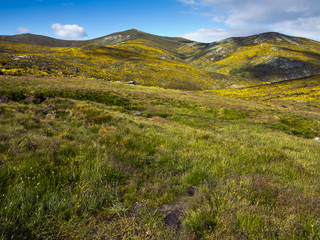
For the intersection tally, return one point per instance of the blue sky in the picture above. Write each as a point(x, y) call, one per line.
point(201, 20)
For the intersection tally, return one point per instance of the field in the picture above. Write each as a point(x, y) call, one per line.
point(84, 158)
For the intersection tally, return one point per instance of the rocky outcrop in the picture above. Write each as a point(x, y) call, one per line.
point(281, 68)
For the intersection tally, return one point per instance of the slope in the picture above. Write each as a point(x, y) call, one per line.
point(90, 159)
point(146, 59)
point(265, 57)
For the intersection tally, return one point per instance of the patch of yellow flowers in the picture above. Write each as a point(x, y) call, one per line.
point(304, 90)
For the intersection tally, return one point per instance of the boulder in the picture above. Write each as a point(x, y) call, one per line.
point(3, 99)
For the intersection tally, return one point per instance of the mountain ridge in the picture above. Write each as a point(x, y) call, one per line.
point(169, 62)
point(113, 38)
point(132, 33)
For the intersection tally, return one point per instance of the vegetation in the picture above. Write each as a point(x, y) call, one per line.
point(131, 61)
point(90, 159)
point(302, 90)
point(174, 63)
point(267, 57)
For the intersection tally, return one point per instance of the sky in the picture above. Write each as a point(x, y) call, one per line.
point(199, 20)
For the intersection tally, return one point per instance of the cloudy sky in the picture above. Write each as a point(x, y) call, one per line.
point(200, 20)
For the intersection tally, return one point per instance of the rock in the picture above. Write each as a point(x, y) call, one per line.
point(74, 69)
point(3, 99)
point(165, 57)
point(172, 219)
point(281, 68)
point(191, 191)
point(317, 139)
point(19, 57)
point(131, 82)
point(173, 213)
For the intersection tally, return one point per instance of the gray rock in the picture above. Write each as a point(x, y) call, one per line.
point(191, 191)
point(3, 99)
point(19, 57)
point(74, 69)
point(173, 219)
point(281, 68)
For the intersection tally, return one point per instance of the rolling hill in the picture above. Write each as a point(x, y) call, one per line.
point(166, 62)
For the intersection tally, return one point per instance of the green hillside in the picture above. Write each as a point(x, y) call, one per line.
point(91, 159)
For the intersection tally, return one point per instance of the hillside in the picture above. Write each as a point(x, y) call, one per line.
point(268, 57)
point(90, 159)
point(139, 57)
point(166, 62)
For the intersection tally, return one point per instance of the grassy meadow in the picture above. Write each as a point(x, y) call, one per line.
point(89, 159)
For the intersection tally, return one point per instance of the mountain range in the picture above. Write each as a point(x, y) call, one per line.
point(168, 62)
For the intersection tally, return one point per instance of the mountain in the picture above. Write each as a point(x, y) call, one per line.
point(267, 57)
point(111, 39)
point(167, 62)
point(34, 39)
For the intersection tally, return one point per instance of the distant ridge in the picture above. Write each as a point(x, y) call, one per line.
point(170, 62)
point(34, 39)
point(133, 34)
point(269, 37)
point(110, 39)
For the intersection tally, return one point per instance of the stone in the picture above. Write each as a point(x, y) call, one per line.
point(74, 69)
point(173, 219)
point(19, 57)
point(3, 99)
point(191, 191)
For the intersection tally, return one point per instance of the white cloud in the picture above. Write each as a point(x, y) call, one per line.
point(305, 27)
point(22, 30)
point(213, 34)
point(270, 13)
point(68, 31)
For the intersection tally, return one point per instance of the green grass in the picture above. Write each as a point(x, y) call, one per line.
point(77, 158)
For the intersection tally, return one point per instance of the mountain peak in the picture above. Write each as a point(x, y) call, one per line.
point(134, 30)
point(267, 37)
point(273, 36)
